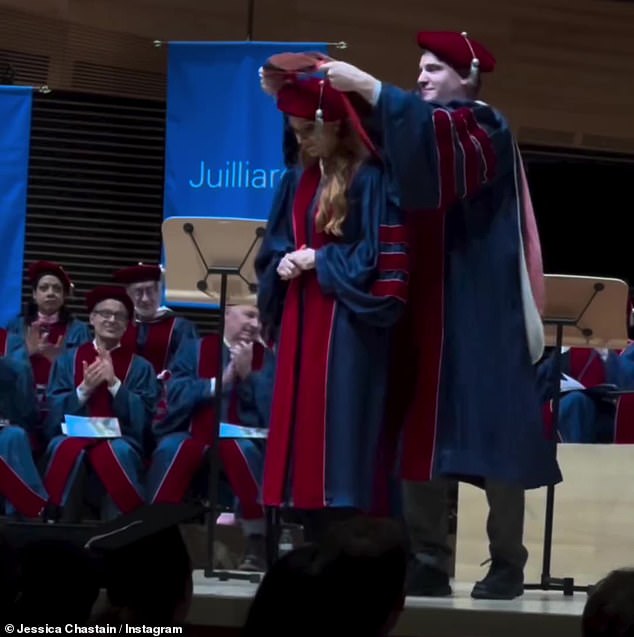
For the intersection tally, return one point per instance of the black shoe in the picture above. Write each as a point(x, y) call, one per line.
point(424, 580)
point(51, 513)
point(503, 581)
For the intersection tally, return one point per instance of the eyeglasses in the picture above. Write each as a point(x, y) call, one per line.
point(109, 315)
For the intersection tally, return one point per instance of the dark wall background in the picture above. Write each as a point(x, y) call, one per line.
point(584, 210)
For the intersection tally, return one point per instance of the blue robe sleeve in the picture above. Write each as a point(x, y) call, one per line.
point(61, 394)
point(16, 342)
point(256, 395)
point(184, 330)
point(185, 390)
point(248, 415)
point(16, 348)
point(135, 402)
point(17, 396)
point(77, 334)
point(547, 384)
point(438, 155)
point(278, 240)
point(369, 276)
point(16, 325)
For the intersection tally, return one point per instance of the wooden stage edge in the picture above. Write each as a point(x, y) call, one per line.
point(220, 607)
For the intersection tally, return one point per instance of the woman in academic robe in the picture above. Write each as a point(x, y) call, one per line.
point(332, 273)
point(21, 486)
point(46, 328)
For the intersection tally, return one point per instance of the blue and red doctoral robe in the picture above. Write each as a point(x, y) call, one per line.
point(117, 462)
point(158, 340)
point(585, 417)
point(20, 482)
point(473, 328)
point(334, 330)
point(74, 333)
point(187, 432)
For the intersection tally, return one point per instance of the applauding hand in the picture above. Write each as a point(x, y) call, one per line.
point(242, 358)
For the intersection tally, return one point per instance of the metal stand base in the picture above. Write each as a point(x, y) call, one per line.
point(224, 576)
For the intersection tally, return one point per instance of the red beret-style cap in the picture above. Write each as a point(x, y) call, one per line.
point(138, 274)
point(304, 96)
point(456, 49)
point(39, 268)
point(306, 62)
point(105, 292)
point(301, 94)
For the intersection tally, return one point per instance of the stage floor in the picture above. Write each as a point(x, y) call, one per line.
point(225, 603)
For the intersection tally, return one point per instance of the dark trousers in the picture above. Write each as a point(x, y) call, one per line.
point(427, 516)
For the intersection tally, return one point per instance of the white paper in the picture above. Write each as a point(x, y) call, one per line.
point(228, 430)
point(85, 427)
point(570, 384)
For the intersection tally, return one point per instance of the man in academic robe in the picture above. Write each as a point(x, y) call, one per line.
point(20, 482)
point(586, 415)
point(102, 378)
point(46, 329)
point(155, 331)
point(187, 432)
point(465, 352)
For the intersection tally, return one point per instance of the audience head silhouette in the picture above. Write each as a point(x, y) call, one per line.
point(148, 571)
point(352, 582)
point(609, 611)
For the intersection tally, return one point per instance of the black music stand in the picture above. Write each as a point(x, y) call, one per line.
point(586, 312)
point(210, 261)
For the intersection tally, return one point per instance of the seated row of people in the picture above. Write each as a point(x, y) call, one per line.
point(144, 366)
point(590, 385)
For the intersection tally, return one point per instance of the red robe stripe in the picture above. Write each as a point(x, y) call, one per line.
point(3, 342)
point(472, 158)
point(393, 261)
point(427, 319)
point(298, 415)
point(624, 420)
point(25, 500)
point(392, 264)
point(187, 460)
point(393, 234)
point(484, 160)
point(445, 150)
point(587, 366)
point(157, 344)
